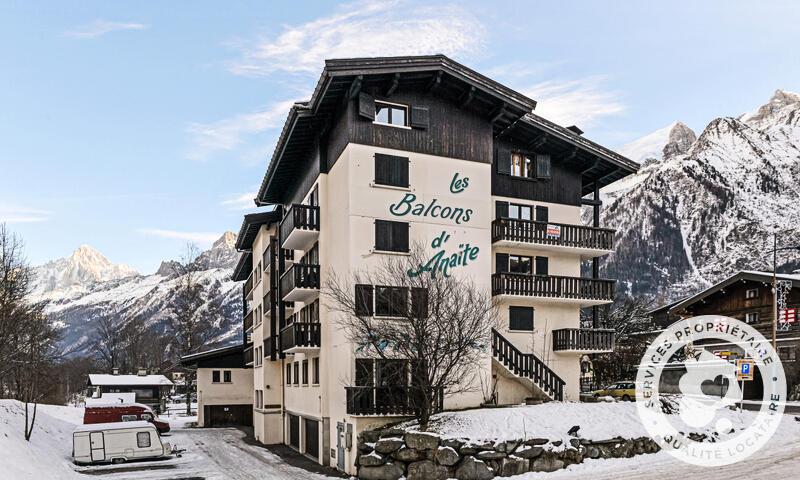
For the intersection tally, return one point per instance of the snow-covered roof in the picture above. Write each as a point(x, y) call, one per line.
point(780, 276)
point(96, 427)
point(107, 379)
point(741, 275)
point(107, 404)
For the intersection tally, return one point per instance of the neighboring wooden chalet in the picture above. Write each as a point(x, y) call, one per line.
point(149, 389)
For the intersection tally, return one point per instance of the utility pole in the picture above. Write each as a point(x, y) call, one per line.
point(775, 291)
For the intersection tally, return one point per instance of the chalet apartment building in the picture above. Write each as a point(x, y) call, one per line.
point(391, 152)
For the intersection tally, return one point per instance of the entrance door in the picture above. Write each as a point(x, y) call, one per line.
point(340, 446)
point(98, 446)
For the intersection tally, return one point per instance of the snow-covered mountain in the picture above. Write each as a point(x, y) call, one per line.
point(85, 286)
point(702, 207)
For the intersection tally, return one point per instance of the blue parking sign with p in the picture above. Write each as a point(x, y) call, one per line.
point(745, 369)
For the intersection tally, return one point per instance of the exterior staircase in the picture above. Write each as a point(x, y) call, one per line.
point(527, 365)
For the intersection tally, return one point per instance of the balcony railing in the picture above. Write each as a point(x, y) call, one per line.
point(553, 286)
point(248, 355)
point(584, 340)
point(247, 289)
point(268, 298)
point(248, 321)
point(288, 256)
point(545, 233)
point(298, 219)
point(388, 400)
point(300, 276)
point(300, 336)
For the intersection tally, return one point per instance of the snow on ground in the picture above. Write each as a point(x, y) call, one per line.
point(552, 420)
point(212, 454)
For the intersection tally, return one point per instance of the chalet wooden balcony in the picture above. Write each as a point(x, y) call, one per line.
point(300, 337)
point(300, 283)
point(271, 296)
point(270, 346)
point(248, 355)
point(553, 288)
point(247, 288)
point(583, 340)
point(300, 227)
point(387, 400)
point(589, 242)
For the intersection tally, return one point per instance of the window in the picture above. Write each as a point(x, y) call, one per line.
point(751, 317)
point(226, 375)
point(363, 300)
point(751, 293)
point(215, 376)
point(542, 265)
point(391, 301)
point(542, 214)
point(520, 165)
point(391, 236)
point(787, 354)
point(129, 418)
point(288, 374)
point(520, 318)
point(390, 373)
point(520, 264)
point(296, 373)
point(143, 439)
point(519, 212)
point(419, 302)
point(305, 372)
point(315, 364)
point(391, 170)
point(294, 431)
point(147, 417)
point(542, 165)
point(364, 374)
point(391, 114)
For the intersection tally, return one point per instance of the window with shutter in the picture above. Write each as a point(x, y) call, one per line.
point(364, 300)
point(366, 106)
point(542, 166)
point(520, 264)
point(391, 170)
point(520, 318)
point(419, 302)
point(542, 265)
point(391, 236)
point(501, 210)
point(364, 374)
point(542, 214)
point(501, 262)
point(519, 212)
point(391, 301)
point(420, 117)
point(391, 114)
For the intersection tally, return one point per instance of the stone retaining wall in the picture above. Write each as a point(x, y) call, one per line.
point(391, 453)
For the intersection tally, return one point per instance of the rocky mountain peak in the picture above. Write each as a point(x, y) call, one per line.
point(679, 140)
point(86, 265)
point(222, 253)
point(774, 110)
point(226, 241)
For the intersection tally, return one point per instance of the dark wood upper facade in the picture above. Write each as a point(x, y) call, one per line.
point(466, 116)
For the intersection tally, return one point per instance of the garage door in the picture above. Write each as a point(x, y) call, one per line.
point(228, 415)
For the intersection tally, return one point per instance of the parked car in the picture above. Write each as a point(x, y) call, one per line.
point(117, 442)
point(622, 390)
point(123, 412)
point(181, 398)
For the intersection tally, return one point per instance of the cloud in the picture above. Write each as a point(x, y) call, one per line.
point(17, 214)
point(198, 237)
point(362, 29)
point(99, 27)
point(240, 201)
point(229, 134)
point(579, 102)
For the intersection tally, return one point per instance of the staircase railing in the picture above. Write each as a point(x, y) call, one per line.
point(527, 365)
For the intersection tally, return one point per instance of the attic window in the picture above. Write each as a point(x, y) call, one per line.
point(751, 293)
point(391, 114)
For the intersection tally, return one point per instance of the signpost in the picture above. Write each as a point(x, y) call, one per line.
point(744, 373)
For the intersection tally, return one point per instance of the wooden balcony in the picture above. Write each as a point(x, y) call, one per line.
point(271, 345)
point(586, 241)
point(247, 288)
point(387, 400)
point(248, 355)
point(248, 321)
point(300, 337)
point(553, 288)
point(300, 283)
point(583, 340)
point(270, 254)
point(300, 227)
point(272, 296)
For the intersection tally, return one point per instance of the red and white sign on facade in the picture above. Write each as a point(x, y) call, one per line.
point(553, 231)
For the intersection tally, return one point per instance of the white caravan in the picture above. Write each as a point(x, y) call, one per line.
point(117, 442)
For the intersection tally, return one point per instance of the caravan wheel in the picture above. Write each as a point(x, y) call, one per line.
point(117, 461)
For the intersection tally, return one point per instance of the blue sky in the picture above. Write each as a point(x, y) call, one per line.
point(136, 126)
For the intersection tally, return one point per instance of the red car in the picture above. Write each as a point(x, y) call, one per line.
point(123, 412)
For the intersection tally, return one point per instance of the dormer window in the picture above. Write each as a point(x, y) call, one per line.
point(392, 114)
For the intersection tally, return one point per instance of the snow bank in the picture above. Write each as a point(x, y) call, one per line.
point(48, 454)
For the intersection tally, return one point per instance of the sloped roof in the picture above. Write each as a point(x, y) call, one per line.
point(250, 225)
point(751, 275)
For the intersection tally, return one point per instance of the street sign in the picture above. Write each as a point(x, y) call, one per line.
point(744, 369)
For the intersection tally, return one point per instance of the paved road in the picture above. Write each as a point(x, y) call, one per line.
point(211, 454)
